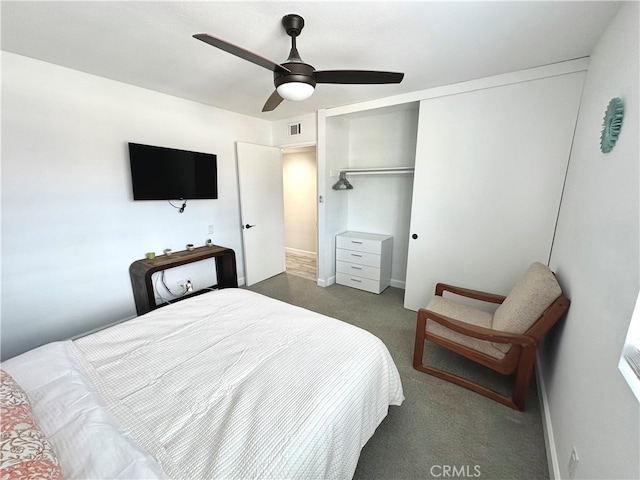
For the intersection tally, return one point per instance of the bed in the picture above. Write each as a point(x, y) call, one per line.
point(229, 384)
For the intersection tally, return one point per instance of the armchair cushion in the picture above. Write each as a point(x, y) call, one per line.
point(536, 290)
point(464, 313)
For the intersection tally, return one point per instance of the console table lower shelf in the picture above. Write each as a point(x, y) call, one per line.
point(141, 271)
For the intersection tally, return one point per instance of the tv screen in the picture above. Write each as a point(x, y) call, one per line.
point(160, 173)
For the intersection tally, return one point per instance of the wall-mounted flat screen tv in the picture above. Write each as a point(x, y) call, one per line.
point(160, 173)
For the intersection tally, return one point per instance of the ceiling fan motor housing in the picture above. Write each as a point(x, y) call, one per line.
point(300, 72)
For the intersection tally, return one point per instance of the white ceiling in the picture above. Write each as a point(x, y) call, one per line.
point(150, 44)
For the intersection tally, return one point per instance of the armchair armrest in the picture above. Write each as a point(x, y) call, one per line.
point(475, 331)
point(467, 292)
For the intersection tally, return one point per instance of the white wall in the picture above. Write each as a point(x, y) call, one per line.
point(299, 182)
point(596, 257)
point(70, 228)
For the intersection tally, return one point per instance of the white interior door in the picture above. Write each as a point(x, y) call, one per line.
point(261, 210)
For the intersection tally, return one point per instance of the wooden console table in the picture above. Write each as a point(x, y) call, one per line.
point(141, 271)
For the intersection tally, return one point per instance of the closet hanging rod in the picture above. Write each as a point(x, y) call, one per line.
point(376, 170)
point(343, 183)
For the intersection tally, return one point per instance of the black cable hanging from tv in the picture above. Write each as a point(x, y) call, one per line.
point(184, 205)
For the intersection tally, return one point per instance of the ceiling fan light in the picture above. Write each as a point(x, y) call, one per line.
point(295, 91)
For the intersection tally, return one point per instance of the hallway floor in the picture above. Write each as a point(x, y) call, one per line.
point(301, 265)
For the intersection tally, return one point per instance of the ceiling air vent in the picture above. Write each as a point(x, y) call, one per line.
point(293, 129)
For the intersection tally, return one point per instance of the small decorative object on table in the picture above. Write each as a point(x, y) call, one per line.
point(611, 125)
point(190, 246)
point(167, 251)
point(150, 255)
point(209, 243)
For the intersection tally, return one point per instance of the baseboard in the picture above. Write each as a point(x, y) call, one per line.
point(326, 283)
point(332, 280)
point(549, 441)
point(304, 253)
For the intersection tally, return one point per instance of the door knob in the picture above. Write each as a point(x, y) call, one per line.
point(414, 236)
point(248, 226)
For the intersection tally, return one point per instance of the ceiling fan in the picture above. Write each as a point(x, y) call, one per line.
point(294, 79)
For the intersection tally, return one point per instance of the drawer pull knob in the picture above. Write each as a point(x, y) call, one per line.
point(356, 280)
point(355, 255)
point(355, 241)
point(356, 268)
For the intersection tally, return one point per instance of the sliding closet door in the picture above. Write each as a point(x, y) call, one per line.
point(490, 167)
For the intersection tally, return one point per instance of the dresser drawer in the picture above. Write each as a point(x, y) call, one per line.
point(364, 244)
point(360, 258)
point(365, 271)
point(366, 284)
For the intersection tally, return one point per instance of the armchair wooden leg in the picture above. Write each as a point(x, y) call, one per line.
point(418, 348)
point(523, 376)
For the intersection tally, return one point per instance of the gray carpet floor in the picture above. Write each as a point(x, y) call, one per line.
point(441, 430)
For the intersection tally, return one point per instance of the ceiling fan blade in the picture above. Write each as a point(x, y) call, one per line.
point(357, 76)
point(272, 102)
point(241, 52)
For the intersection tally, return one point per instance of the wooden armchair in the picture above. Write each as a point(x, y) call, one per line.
point(504, 341)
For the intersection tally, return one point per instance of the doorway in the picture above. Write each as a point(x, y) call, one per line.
point(299, 172)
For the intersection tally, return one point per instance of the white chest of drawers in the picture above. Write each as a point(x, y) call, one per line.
point(363, 260)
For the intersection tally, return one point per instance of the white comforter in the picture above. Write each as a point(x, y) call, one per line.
point(232, 384)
